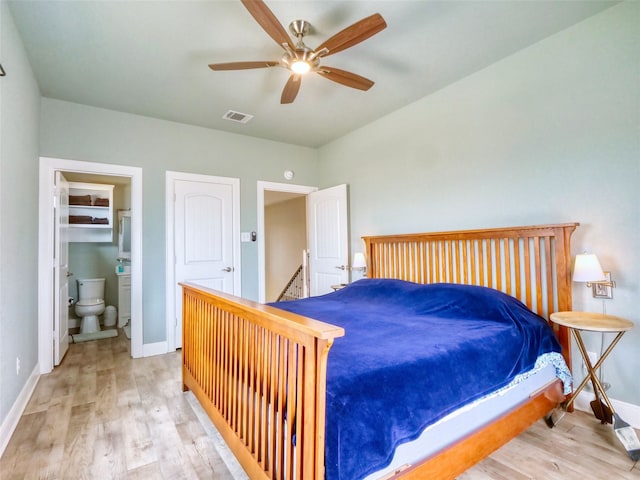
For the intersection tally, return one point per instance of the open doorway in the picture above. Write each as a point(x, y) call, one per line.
point(272, 196)
point(324, 223)
point(131, 180)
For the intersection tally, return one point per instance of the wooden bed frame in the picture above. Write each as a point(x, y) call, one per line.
point(260, 372)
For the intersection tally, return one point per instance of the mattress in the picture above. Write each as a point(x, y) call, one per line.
point(468, 419)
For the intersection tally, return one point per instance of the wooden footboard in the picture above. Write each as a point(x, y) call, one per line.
point(260, 374)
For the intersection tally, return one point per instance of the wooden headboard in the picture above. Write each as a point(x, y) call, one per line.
point(530, 263)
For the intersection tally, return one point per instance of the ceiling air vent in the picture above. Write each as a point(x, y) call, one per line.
point(237, 116)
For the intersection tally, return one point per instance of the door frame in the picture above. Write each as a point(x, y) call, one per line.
point(262, 188)
point(170, 179)
point(48, 166)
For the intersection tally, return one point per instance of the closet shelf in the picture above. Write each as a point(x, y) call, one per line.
point(87, 228)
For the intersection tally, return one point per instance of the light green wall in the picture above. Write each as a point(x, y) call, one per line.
point(19, 112)
point(547, 135)
point(79, 132)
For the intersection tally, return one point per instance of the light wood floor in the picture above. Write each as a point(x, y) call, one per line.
point(103, 415)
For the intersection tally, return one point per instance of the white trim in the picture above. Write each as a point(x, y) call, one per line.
point(151, 349)
point(272, 187)
point(627, 411)
point(48, 166)
point(13, 417)
point(170, 179)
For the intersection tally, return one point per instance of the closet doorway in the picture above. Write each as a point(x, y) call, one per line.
point(99, 173)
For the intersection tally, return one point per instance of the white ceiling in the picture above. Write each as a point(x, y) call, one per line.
point(150, 57)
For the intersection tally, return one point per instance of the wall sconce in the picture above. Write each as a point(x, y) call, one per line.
point(587, 269)
point(359, 263)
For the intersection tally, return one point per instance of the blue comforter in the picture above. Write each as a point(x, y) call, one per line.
point(412, 354)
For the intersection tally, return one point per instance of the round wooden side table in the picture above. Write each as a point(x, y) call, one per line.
point(593, 322)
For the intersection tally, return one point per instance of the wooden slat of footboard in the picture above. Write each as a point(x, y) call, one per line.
point(260, 374)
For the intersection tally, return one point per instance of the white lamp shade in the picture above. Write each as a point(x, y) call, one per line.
point(359, 261)
point(587, 269)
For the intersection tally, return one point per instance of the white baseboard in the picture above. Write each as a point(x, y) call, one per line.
point(629, 412)
point(13, 417)
point(151, 349)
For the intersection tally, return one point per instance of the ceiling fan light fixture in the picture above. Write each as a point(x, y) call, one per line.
point(300, 66)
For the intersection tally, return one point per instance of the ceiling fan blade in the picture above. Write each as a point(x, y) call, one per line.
point(345, 78)
point(241, 65)
point(291, 89)
point(268, 21)
point(356, 33)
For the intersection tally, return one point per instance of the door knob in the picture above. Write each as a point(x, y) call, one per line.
point(227, 269)
point(341, 267)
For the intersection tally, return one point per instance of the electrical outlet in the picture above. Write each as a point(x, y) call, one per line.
point(17, 365)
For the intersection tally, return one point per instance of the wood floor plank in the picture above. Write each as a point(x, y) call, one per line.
point(106, 395)
point(109, 461)
point(79, 442)
point(138, 442)
point(145, 472)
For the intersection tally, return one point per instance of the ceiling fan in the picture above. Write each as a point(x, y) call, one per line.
point(300, 59)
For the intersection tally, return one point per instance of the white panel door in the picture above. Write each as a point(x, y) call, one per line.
point(328, 239)
point(61, 269)
point(203, 239)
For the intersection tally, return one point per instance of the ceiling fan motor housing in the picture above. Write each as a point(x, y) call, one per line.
point(300, 28)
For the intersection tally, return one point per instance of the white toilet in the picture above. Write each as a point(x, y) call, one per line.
point(90, 303)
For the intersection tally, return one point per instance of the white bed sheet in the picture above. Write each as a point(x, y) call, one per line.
point(465, 420)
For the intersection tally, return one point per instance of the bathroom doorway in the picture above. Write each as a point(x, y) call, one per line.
point(131, 177)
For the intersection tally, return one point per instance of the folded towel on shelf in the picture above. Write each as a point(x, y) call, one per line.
point(100, 221)
point(101, 202)
point(80, 200)
point(80, 219)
